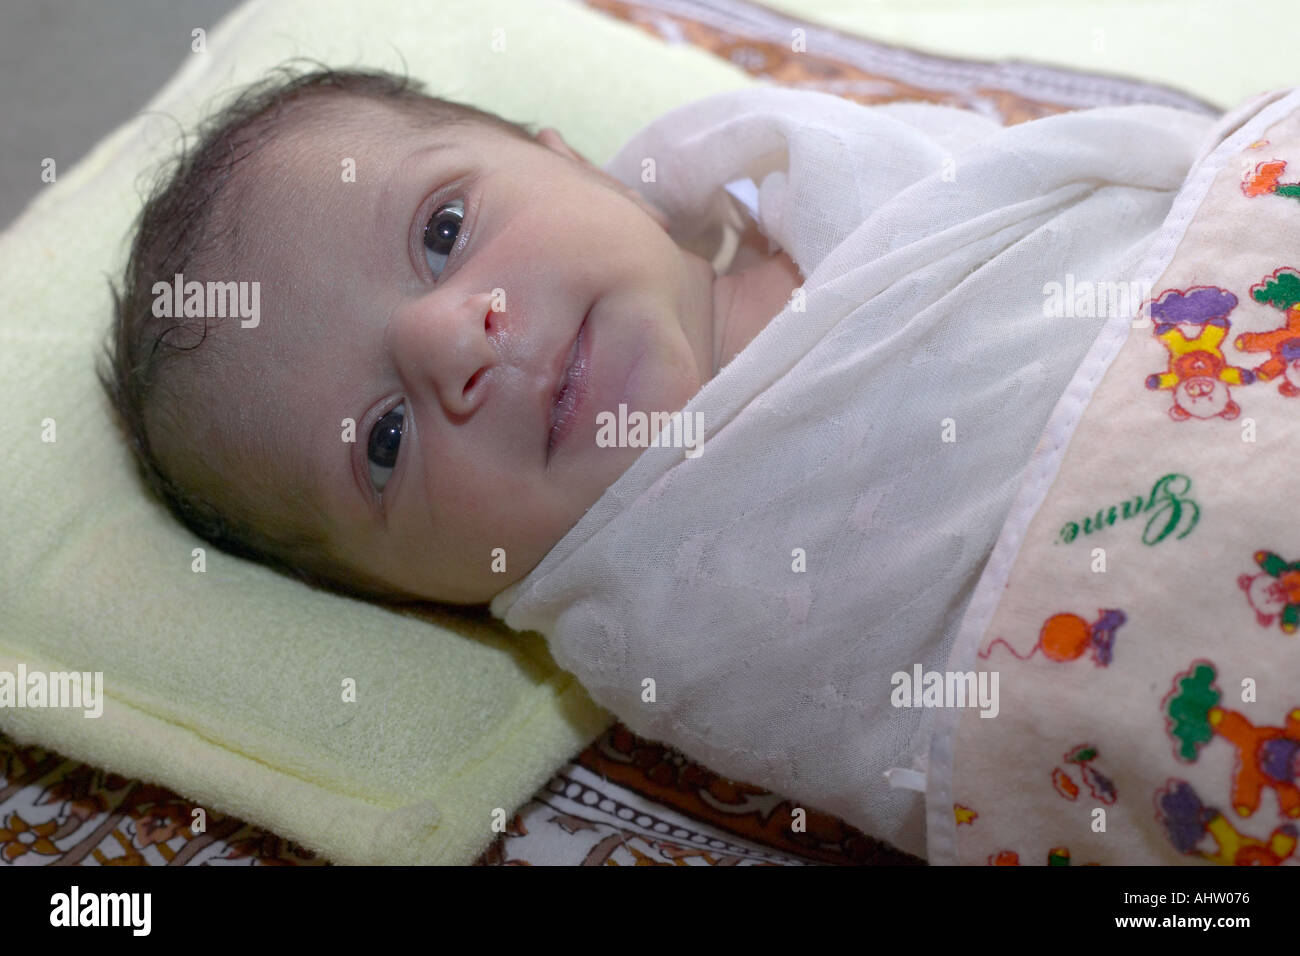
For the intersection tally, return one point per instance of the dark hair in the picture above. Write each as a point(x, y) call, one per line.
point(188, 221)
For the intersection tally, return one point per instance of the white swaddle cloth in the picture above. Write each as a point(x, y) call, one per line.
point(926, 236)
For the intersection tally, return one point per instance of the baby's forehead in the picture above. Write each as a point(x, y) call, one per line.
point(296, 170)
point(323, 199)
point(332, 184)
point(353, 146)
point(332, 130)
point(368, 124)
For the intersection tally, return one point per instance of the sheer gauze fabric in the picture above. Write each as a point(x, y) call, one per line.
point(878, 426)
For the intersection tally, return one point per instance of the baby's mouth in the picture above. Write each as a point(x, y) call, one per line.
point(570, 390)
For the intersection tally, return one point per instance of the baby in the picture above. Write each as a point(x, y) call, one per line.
point(445, 302)
point(452, 304)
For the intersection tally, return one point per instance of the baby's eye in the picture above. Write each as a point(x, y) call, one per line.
point(440, 234)
point(381, 453)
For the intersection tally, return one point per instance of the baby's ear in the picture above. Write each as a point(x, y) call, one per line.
point(551, 139)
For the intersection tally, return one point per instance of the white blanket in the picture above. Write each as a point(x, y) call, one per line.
point(863, 451)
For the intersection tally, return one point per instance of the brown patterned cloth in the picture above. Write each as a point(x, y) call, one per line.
point(762, 42)
point(623, 801)
point(627, 801)
point(57, 811)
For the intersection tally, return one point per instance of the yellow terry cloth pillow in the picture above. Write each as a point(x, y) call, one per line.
point(228, 685)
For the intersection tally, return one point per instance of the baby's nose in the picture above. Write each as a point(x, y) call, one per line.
point(451, 348)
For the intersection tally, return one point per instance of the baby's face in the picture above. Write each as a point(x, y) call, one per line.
point(475, 429)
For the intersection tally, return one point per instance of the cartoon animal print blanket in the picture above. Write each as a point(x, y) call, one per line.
point(1141, 606)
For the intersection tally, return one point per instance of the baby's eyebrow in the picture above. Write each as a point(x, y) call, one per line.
point(386, 213)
